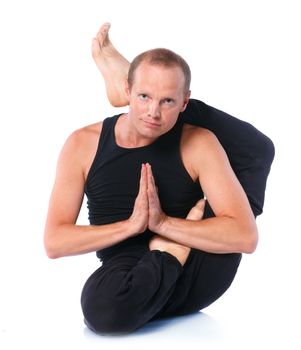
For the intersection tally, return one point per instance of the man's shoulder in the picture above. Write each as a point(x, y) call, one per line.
point(82, 141)
point(196, 134)
point(87, 131)
point(84, 135)
point(80, 146)
point(196, 144)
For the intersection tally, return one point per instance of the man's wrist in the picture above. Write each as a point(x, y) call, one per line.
point(129, 228)
point(164, 225)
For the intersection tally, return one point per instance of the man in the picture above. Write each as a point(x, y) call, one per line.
point(250, 152)
point(159, 257)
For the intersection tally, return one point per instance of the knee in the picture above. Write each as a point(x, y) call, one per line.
point(110, 317)
point(266, 151)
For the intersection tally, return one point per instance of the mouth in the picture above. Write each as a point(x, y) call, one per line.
point(152, 124)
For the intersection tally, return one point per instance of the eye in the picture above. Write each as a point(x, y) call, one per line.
point(143, 97)
point(168, 101)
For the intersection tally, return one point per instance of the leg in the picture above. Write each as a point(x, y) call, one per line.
point(179, 251)
point(128, 290)
point(132, 287)
point(112, 65)
point(204, 279)
point(250, 152)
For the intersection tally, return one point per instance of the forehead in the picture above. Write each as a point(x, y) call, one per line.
point(149, 75)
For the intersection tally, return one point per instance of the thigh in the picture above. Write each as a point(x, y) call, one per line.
point(205, 278)
point(129, 289)
point(250, 152)
point(113, 272)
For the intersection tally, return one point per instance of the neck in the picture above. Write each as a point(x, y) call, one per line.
point(128, 136)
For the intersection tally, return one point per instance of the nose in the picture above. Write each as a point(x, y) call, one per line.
point(154, 110)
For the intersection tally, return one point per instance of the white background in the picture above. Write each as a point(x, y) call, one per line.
point(245, 60)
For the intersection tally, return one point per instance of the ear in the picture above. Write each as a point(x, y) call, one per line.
point(186, 100)
point(127, 89)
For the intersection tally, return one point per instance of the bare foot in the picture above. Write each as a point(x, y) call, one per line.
point(197, 212)
point(112, 65)
point(179, 251)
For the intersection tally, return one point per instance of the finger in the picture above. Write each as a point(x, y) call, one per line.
point(143, 180)
point(153, 201)
point(152, 189)
point(150, 177)
point(153, 198)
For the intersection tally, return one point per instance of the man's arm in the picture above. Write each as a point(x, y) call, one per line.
point(62, 236)
point(233, 229)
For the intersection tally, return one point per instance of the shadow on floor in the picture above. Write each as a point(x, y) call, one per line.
point(196, 328)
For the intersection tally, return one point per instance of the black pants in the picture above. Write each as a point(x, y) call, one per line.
point(139, 285)
point(250, 152)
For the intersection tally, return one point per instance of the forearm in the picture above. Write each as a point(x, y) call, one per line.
point(70, 239)
point(215, 235)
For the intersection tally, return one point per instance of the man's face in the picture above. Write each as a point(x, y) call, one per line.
point(156, 99)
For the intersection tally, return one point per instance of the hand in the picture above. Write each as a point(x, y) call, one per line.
point(156, 217)
point(138, 221)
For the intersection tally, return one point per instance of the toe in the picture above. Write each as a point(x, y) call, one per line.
point(95, 48)
point(201, 204)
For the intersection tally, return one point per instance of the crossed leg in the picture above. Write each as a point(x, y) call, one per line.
point(132, 287)
point(179, 251)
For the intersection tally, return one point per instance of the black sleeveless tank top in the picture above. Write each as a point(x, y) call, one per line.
point(112, 184)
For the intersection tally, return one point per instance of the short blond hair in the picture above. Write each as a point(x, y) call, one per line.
point(161, 57)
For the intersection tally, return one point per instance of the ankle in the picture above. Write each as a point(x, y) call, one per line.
point(180, 252)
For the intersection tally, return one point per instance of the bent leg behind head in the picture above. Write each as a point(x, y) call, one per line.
point(128, 290)
point(112, 65)
point(250, 152)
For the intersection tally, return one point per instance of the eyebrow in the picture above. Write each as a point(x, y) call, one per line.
point(161, 99)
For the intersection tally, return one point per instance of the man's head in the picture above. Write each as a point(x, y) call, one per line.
point(164, 58)
point(158, 90)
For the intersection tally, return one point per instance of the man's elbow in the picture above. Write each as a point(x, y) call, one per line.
point(51, 251)
point(51, 247)
point(250, 242)
point(52, 254)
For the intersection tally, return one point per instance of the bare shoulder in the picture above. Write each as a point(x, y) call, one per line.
point(81, 145)
point(84, 135)
point(199, 147)
point(194, 136)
